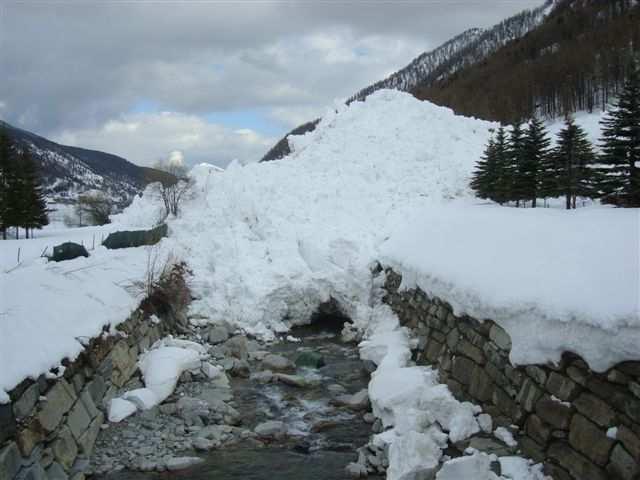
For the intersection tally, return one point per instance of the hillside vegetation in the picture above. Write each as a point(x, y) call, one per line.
point(577, 59)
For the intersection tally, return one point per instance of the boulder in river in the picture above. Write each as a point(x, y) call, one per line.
point(277, 363)
point(180, 463)
point(272, 428)
point(357, 401)
point(311, 360)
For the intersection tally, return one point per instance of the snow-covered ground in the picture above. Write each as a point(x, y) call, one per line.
point(387, 180)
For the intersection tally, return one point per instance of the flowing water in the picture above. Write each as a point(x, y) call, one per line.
point(322, 438)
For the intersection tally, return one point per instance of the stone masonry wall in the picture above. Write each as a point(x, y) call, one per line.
point(563, 411)
point(48, 430)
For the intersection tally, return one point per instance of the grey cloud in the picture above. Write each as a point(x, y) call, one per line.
point(76, 65)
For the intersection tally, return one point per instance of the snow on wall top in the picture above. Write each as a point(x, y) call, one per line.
point(555, 280)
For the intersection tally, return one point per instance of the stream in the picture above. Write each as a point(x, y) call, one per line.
point(322, 437)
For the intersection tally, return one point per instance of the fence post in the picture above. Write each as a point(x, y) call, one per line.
point(18, 254)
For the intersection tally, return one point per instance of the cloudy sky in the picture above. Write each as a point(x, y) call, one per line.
point(215, 80)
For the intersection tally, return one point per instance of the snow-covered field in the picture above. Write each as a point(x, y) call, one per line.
point(381, 180)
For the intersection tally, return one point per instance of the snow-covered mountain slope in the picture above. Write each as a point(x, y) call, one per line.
point(68, 171)
point(465, 49)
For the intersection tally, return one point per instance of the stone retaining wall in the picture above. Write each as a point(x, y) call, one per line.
point(563, 411)
point(48, 430)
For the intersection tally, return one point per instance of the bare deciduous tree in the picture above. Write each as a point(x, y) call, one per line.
point(95, 207)
point(176, 187)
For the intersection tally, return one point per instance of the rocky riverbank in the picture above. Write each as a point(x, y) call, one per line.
point(298, 396)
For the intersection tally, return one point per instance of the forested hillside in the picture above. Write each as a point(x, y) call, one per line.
point(464, 50)
point(576, 59)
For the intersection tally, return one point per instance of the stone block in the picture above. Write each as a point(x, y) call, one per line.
point(562, 387)
point(462, 369)
point(124, 362)
point(595, 409)
point(33, 472)
point(78, 382)
point(500, 337)
point(481, 387)
point(64, 448)
point(537, 374)
point(10, 461)
point(537, 429)
point(556, 472)
point(623, 465)
point(7, 422)
point(616, 376)
point(89, 404)
point(433, 350)
point(554, 413)
point(453, 337)
point(469, 350)
point(60, 399)
point(30, 435)
point(529, 394)
point(78, 420)
point(531, 449)
point(56, 472)
point(456, 387)
point(496, 375)
point(630, 368)
point(87, 440)
point(588, 439)
point(97, 388)
point(577, 375)
point(26, 403)
point(630, 440)
point(507, 405)
point(579, 467)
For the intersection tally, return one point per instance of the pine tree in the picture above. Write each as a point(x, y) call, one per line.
point(33, 206)
point(501, 187)
point(574, 156)
point(621, 146)
point(483, 176)
point(5, 152)
point(514, 167)
point(9, 185)
point(535, 149)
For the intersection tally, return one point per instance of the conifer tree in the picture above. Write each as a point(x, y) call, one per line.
point(573, 158)
point(514, 167)
point(33, 206)
point(482, 178)
point(621, 146)
point(5, 149)
point(535, 149)
point(500, 189)
point(9, 185)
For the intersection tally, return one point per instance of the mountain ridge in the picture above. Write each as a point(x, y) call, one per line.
point(68, 171)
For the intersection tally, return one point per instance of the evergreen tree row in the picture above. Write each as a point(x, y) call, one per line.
point(22, 203)
point(521, 167)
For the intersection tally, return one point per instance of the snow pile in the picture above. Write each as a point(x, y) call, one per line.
point(555, 280)
point(161, 368)
point(270, 241)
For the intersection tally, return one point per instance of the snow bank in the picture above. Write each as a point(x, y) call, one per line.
point(49, 311)
point(555, 280)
